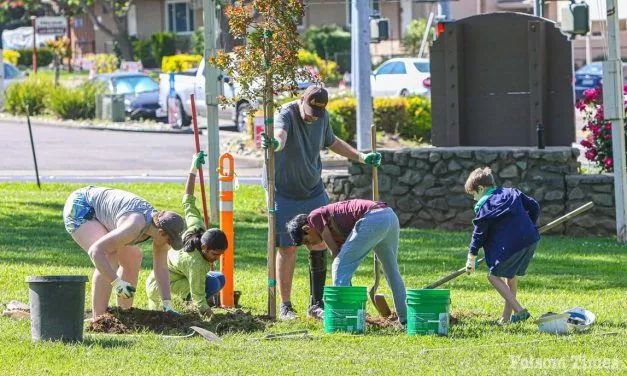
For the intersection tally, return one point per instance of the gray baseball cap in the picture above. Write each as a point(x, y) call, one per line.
point(173, 225)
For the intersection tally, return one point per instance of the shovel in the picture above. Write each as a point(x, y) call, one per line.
point(377, 299)
point(542, 230)
point(204, 333)
point(287, 335)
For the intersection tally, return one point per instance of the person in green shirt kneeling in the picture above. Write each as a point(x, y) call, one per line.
point(190, 268)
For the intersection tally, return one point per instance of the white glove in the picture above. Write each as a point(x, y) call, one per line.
point(470, 263)
point(123, 289)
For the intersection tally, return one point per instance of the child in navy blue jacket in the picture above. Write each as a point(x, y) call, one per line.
point(505, 228)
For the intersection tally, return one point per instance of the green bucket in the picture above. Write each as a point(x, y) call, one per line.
point(345, 309)
point(428, 311)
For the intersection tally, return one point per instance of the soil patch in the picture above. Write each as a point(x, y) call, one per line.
point(118, 321)
point(377, 322)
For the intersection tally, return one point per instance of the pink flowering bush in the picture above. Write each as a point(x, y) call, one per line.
point(598, 140)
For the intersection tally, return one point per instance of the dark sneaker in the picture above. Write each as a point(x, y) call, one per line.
point(315, 312)
point(520, 316)
point(287, 312)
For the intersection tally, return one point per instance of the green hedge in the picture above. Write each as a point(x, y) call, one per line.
point(41, 97)
point(152, 50)
point(33, 92)
point(44, 57)
point(75, 103)
point(409, 116)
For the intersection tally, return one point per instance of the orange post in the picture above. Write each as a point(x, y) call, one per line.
point(226, 177)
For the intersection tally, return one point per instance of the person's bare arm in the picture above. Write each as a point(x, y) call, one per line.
point(281, 136)
point(345, 150)
point(127, 232)
point(190, 184)
point(160, 267)
point(328, 238)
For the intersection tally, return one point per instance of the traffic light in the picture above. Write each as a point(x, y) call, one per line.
point(576, 19)
point(379, 29)
point(440, 27)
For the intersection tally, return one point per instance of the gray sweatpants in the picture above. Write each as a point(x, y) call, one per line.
point(378, 229)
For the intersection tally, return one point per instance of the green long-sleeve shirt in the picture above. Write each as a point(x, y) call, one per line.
point(188, 270)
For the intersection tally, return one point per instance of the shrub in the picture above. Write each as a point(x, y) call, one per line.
point(32, 93)
point(44, 57)
point(389, 114)
point(180, 63)
point(106, 63)
point(326, 40)
point(410, 117)
point(11, 56)
point(76, 103)
point(142, 51)
point(326, 69)
point(418, 125)
point(598, 140)
point(198, 41)
point(413, 36)
point(346, 109)
point(339, 128)
point(152, 50)
point(163, 44)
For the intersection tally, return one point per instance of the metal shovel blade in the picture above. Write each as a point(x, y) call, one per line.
point(206, 334)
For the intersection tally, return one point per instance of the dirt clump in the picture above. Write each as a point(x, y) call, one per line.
point(120, 321)
point(377, 322)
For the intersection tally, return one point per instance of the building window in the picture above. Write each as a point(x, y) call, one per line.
point(180, 17)
point(375, 10)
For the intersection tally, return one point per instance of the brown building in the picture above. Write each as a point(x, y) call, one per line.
point(184, 16)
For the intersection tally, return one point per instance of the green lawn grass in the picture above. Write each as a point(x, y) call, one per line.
point(566, 272)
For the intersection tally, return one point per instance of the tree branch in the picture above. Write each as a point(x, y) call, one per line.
point(94, 18)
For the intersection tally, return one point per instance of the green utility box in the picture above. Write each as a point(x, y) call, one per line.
point(576, 19)
point(110, 107)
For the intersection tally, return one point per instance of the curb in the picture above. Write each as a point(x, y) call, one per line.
point(326, 163)
point(71, 124)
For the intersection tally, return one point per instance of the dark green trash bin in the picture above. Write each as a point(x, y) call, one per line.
point(57, 307)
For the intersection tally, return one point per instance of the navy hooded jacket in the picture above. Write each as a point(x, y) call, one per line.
point(504, 225)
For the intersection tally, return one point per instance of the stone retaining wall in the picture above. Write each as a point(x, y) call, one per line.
point(425, 186)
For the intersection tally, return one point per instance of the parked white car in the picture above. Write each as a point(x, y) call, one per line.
point(402, 77)
point(193, 82)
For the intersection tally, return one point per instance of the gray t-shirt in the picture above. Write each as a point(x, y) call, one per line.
point(298, 167)
point(110, 204)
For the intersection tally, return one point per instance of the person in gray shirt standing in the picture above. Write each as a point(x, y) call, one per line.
point(301, 130)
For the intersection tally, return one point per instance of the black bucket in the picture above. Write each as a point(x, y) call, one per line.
point(57, 307)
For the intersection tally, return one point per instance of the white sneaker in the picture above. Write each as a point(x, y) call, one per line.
point(287, 312)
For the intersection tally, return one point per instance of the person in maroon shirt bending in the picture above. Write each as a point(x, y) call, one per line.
point(350, 230)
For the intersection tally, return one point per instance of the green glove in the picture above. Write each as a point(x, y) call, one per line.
point(123, 289)
point(373, 159)
point(197, 161)
point(266, 141)
point(167, 307)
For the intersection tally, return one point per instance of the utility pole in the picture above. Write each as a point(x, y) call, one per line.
point(614, 111)
point(211, 98)
point(444, 10)
point(360, 30)
point(538, 8)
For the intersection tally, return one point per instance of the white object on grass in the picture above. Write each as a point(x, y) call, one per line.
point(580, 319)
point(554, 323)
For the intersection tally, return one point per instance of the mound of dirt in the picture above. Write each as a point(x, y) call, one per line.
point(119, 321)
point(377, 322)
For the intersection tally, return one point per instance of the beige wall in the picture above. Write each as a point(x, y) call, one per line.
point(150, 17)
point(319, 14)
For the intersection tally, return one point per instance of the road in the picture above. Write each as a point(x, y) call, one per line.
point(68, 154)
point(106, 156)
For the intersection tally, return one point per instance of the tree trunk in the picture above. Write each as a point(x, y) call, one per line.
point(125, 47)
point(227, 42)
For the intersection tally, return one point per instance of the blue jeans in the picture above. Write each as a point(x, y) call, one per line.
point(379, 230)
point(214, 282)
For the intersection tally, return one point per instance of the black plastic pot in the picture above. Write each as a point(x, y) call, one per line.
point(57, 307)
